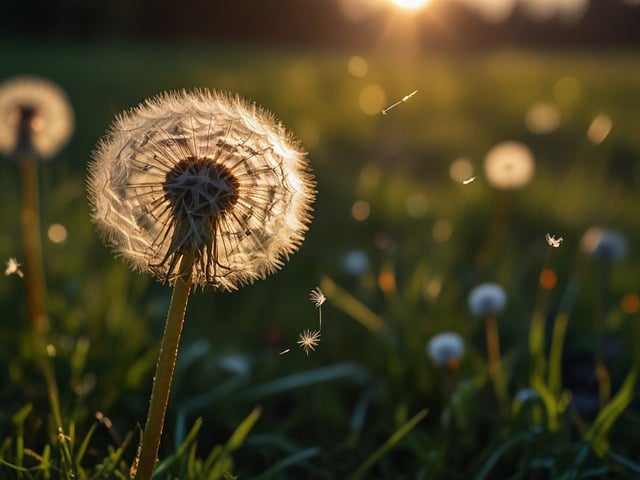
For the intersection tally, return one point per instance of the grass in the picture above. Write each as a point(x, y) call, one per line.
point(367, 403)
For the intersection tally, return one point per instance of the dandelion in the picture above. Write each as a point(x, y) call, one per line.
point(35, 117)
point(446, 349)
point(509, 165)
point(309, 340)
point(197, 188)
point(485, 301)
point(604, 244)
point(13, 267)
point(201, 172)
point(552, 241)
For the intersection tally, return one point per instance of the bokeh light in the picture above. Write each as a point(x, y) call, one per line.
point(410, 4)
point(357, 66)
point(57, 233)
point(599, 129)
point(372, 99)
point(461, 169)
point(360, 210)
point(509, 165)
point(542, 118)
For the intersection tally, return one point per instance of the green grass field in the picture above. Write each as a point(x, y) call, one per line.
point(354, 407)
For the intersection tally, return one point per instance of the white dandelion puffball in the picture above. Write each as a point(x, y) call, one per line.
point(604, 244)
point(509, 165)
point(38, 107)
point(445, 347)
point(486, 299)
point(206, 173)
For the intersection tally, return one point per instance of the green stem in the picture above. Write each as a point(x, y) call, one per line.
point(164, 371)
point(33, 264)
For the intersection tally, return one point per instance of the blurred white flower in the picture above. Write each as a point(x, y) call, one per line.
point(13, 267)
point(445, 348)
point(486, 299)
point(201, 172)
point(35, 117)
point(552, 241)
point(604, 244)
point(509, 165)
point(356, 262)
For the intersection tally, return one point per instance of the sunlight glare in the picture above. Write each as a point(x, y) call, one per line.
point(410, 4)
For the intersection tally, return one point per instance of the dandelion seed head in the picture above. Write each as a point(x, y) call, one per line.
point(445, 348)
point(309, 340)
point(509, 165)
point(486, 299)
point(604, 244)
point(35, 108)
point(203, 172)
point(317, 297)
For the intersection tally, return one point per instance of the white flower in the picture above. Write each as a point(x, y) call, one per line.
point(445, 347)
point(509, 165)
point(35, 114)
point(13, 267)
point(486, 299)
point(202, 172)
point(309, 340)
point(553, 241)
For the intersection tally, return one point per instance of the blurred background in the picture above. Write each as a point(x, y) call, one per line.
point(407, 221)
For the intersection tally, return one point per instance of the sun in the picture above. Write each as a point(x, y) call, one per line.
point(410, 4)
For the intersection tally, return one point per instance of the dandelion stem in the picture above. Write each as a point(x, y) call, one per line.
point(495, 362)
point(164, 370)
point(30, 217)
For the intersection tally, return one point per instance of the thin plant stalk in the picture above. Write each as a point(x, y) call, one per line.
point(164, 371)
point(495, 361)
point(601, 370)
point(33, 264)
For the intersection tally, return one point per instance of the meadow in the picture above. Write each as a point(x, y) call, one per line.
point(398, 240)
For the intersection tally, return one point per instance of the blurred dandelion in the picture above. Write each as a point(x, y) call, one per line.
point(604, 244)
point(309, 340)
point(13, 267)
point(197, 188)
point(552, 241)
point(446, 349)
point(35, 117)
point(509, 165)
point(485, 301)
point(542, 118)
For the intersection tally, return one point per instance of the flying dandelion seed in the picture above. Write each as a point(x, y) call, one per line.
point(553, 241)
point(468, 180)
point(318, 298)
point(13, 267)
point(309, 340)
point(403, 100)
point(286, 350)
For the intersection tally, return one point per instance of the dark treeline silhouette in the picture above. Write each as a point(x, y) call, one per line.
point(607, 23)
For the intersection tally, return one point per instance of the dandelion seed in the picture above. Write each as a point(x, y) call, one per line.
point(309, 340)
point(13, 267)
point(553, 241)
point(468, 180)
point(286, 350)
point(403, 100)
point(317, 297)
point(201, 172)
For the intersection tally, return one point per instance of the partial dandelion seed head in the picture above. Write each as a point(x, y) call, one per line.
point(35, 117)
point(317, 297)
point(486, 299)
point(309, 340)
point(552, 241)
point(13, 267)
point(201, 172)
point(604, 244)
point(445, 348)
point(509, 165)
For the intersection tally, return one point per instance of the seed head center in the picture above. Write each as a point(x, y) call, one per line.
point(200, 189)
